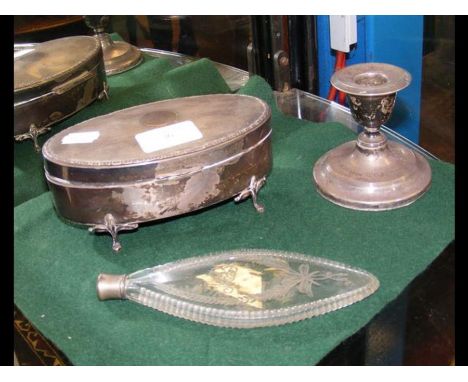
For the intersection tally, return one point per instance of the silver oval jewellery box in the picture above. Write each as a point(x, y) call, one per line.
point(53, 80)
point(158, 160)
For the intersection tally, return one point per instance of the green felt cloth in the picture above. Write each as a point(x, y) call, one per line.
point(56, 264)
point(152, 80)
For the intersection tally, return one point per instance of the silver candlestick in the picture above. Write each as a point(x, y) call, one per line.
point(119, 56)
point(372, 173)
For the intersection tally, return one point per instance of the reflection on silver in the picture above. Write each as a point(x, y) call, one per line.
point(19, 53)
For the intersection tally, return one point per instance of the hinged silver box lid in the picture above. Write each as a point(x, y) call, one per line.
point(51, 63)
point(118, 140)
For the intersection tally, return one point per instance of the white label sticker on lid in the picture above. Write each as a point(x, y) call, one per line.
point(168, 136)
point(72, 138)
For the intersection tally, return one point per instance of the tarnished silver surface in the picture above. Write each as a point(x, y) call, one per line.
point(111, 174)
point(372, 173)
point(119, 56)
point(53, 80)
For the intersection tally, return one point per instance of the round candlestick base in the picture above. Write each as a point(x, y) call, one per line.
point(385, 179)
point(119, 56)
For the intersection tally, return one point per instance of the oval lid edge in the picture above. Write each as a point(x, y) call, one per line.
point(20, 88)
point(51, 157)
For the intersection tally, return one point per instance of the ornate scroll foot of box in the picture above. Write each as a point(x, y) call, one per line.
point(104, 94)
point(113, 229)
point(252, 190)
point(33, 133)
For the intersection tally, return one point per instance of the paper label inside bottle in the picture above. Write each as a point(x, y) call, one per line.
point(87, 137)
point(168, 136)
point(236, 281)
